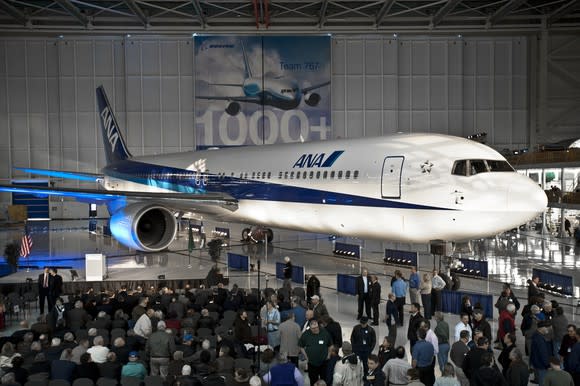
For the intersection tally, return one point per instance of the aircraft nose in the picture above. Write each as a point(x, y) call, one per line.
point(526, 197)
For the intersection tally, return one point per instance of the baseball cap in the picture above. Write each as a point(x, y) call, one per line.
point(133, 354)
point(364, 319)
point(187, 337)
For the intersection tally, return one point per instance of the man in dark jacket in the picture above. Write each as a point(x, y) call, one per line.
point(541, 351)
point(473, 359)
point(374, 376)
point(480, 323)
point(518, 373)
point(414, 323)
point(375, 298)
point(504, 358)
point(363, 340)
point(487, 374)
point(160, 347)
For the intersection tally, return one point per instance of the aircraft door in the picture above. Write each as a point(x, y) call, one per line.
point(391, 177)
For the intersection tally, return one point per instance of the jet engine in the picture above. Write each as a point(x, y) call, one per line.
point(312, 99)
point(233, 108)
point(144, 227)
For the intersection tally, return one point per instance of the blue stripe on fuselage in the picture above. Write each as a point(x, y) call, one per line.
point(242, 189)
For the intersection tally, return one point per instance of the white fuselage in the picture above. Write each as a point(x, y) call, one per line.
point(399, 187)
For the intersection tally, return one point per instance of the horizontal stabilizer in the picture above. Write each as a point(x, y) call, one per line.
point(69, 175)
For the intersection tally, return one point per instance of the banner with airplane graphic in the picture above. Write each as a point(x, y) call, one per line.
point(254, 90)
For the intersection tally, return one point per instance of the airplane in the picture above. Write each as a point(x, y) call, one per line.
point(406, 187)
point(279, 92)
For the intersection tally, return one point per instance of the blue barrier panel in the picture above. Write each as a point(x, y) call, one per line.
point(555, 282)
point(474, 268)
point(222, 232)
point(346, 284)
point(92, 225)
point(297, 273)
point(240, 262)
point(452, 302)
point(397, 257)
point(347, 250)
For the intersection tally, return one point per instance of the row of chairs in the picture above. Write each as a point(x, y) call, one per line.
point(151, 380)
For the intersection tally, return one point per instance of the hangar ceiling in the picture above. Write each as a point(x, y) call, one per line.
point(361, 16)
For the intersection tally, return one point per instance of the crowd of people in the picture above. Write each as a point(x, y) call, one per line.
point(233, 336)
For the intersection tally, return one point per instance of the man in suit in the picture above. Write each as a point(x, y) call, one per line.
point(56, 287)
point(362, 290)
point(44, 287)
point(375, 298)
point(414, 323)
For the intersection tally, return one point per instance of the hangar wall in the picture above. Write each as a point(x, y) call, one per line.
point(380, 85)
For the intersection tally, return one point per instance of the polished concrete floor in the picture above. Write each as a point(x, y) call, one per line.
point(511, 258)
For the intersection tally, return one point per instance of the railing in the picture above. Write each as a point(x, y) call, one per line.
point(545, 157)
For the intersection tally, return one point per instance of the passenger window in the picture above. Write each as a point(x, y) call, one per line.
point(286, 175)
point(339, 174)
point(297, 175)
point(311, 175)
point(318, 175)
point(291, 175)
point(460, 168)
point(355, 174)
point(324, 175)
point(304, 175)
point(332, 174)
point(347, 175)
point(254, 175)
point(269, 175)
point(280, 175)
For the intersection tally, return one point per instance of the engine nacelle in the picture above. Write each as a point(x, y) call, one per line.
point(233, 108)
point(148, 228)
point(312, 99)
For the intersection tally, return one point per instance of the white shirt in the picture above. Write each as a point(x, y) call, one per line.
point(438, 283)
point(143, 326)
point(432, 338)
point(366, 284)
point(396, 371)
point(98, 354)
point(460, 327)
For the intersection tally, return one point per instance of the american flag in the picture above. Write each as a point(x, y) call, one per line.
point(26, 243)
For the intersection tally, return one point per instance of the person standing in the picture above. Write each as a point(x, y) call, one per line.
point(399, 288)
point(289, 337)
point(438, 285)
point(425, 289)
point(540, 351)
point(396, 369)
point(287, 272)
point(462, 325)
point(414, 323)
point(442, 333)
point(44, 289)
point(375, 298)
point(392, 317)
point(283, 373)
point(362, 291)
point(414, 284)
point(423, 353)
point(363, 339)
point(374, 376)
point(556, 376)
point(56, 287)
point(315, 344)
point(160, 347)
point(534, 293)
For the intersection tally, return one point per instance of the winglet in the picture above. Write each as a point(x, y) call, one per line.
point(115, 147)
point(247, 67)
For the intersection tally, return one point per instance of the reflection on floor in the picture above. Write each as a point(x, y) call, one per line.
point(511, 258)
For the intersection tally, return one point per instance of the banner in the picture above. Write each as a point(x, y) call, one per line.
point(254, 90)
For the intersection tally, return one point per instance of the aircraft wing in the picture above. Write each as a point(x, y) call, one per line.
point(231, 98)
point(308, 89)
point(178, 201)
point(71, 175)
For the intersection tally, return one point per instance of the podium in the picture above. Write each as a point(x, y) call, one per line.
point(95, 266)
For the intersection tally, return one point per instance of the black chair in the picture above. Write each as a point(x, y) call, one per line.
point(130, 381)
point(59, 382)
point(153, 380)
point(83, 382)
point(106, 382)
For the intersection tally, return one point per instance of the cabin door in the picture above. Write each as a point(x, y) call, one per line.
point(391, 177)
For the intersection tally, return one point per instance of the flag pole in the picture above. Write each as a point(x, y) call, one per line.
point(28, 254)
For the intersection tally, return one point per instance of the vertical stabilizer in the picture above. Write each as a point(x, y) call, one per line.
point(247, 68)
point(115, 147)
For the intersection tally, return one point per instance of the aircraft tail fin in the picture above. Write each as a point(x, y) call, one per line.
point(115, 147)
point(247, 68)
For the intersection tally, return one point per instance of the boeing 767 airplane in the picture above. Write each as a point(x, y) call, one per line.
point(408, 187)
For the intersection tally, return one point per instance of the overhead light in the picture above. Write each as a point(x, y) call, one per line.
point(128, 35)
point(194, 34)
point(459, 36)
point(395, 35)
point(61, 36)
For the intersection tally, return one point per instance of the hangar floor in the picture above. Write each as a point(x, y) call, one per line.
point(511, 258)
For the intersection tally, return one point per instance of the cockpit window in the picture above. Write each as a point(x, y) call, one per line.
point(499, 166)
point(460, 168)
point(476, 166)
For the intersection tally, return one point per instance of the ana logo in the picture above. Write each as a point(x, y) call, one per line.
point(317, 160)
point(110, 129)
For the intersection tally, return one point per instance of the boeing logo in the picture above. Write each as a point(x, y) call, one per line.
point(319, 160)
point(110, 129)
